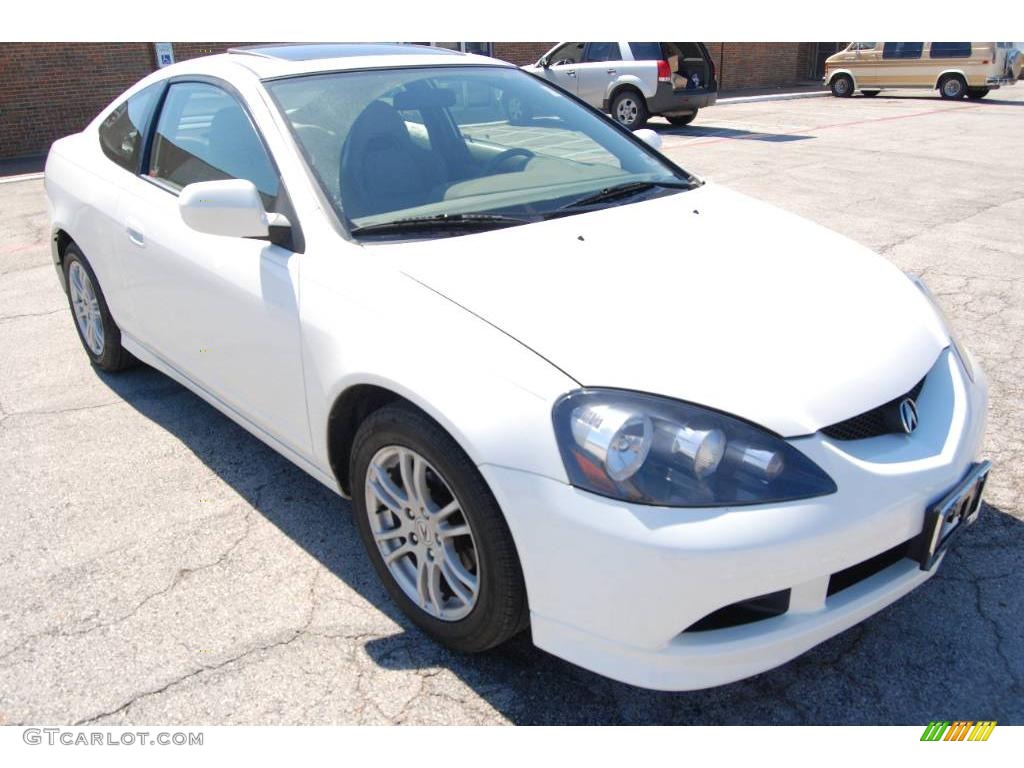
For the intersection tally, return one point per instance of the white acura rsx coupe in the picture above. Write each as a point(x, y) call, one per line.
point(679, 434)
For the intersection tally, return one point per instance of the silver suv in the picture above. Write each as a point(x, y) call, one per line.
point(632, 81)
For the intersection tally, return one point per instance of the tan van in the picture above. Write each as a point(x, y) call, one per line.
point(955, 69)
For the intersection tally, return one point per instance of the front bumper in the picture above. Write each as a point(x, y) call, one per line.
point(612, 586)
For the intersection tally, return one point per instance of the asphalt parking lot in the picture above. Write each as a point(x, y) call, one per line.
point(159, 565)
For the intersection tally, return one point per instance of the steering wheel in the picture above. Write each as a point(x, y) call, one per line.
point(495, 163)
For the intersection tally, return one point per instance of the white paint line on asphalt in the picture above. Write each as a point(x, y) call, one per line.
point(773, 97)
point(22, 177)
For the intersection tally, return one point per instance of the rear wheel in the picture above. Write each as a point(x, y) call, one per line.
point(952, 87)
point(869, 94)
point(842, 86)
point(977, 93)
point(434, 532)
point(681, 119)
point(97, 330)
point(629, 109)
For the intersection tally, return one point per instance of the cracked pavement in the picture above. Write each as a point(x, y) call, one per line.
point(159, 565)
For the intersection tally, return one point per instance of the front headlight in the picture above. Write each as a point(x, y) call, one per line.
point(962, 354)
point(652, 450)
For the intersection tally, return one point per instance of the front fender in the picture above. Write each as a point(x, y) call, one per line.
point(493, 395)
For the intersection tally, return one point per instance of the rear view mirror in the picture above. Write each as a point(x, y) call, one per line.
point(232, 208)
point(651, 138)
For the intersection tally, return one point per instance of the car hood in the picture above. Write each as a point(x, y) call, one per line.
point(706, 296)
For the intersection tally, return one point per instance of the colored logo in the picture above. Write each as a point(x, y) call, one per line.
point(961, 730)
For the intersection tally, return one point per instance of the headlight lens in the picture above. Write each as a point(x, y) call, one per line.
point(962, 354)
point(653, 450)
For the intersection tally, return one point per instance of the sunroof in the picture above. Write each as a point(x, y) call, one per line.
point(311, 51)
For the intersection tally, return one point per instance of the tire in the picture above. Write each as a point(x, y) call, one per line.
point(977, 93)
point(499, 609)
point(681, 120)
point(952, 87)
point(869, 94)
point(99, 334)
point(842, 86)
point(629, 109)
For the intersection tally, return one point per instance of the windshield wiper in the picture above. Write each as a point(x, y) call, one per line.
point(450, 221)
point(625, 190)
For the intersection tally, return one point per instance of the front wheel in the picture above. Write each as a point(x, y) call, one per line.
point(434, 532)
point(630, 110)
point(952, 87)
point(97, 330)
point(842, 86)
point(680, 120)
point(977, 93)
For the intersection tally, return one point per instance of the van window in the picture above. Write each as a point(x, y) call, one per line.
point(646, 51)
point(902, 50)
point(121, 134)
point(862, 46)
point(950, 50)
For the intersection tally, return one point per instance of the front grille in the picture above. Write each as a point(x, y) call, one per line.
point(882, 420)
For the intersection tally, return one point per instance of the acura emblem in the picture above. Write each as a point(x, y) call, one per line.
point(908, 415)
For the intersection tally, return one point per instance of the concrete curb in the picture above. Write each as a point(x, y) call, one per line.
point(773, 97)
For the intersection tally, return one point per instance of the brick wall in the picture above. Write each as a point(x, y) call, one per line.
point(520, 53)
point(760, 65)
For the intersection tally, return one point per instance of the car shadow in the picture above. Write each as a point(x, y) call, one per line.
point(951, 651)
point(717, 132)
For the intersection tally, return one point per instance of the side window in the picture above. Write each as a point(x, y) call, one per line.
point(950, 50)
point(570, 53)
point(203, 134)
point(862, 47)
point(646, 51)
point(603, 52)
point(121, 134)
point(902, 50)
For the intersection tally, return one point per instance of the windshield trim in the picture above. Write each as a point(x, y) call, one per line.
point(345, 227)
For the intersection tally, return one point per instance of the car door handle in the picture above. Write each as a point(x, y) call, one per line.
point(135, 234)
point(571, 73)
point(613, 72)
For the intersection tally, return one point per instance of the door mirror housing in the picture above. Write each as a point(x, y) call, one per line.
point(231, 208)
point(543, 62)
point(651, 138)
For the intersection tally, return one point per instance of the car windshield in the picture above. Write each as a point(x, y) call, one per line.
point(461, 144)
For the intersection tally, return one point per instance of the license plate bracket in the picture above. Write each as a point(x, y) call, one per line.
point(946, 518)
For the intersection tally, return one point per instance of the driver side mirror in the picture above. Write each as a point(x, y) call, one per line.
point(231, 208)
point(543, 62)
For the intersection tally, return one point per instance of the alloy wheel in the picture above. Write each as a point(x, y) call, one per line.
point(422, 533)
point(86, 307)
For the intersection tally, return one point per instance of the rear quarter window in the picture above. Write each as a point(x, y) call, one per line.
point(646, 51)
point(123, 131)
point(950, 50)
